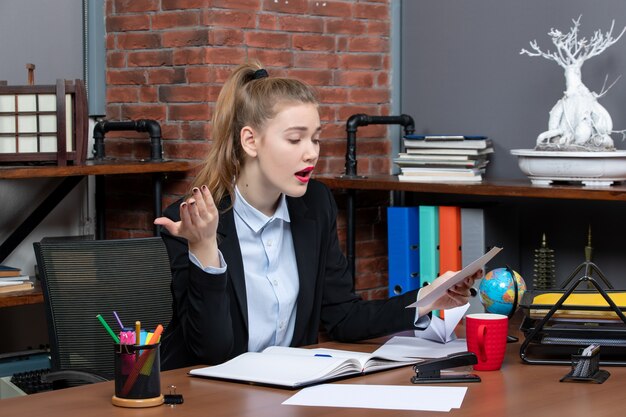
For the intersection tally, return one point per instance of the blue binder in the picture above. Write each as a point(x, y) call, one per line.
point(403, 246)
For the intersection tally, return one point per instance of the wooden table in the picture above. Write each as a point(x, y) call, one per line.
point(517, 390)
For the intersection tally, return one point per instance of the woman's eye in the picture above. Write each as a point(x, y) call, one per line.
point(294, 140)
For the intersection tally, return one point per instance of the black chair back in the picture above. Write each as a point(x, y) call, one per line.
point(83, 278)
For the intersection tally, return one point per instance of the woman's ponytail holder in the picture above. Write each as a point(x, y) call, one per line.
point(260, 73)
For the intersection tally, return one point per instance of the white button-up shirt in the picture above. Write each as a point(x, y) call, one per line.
point(269, 262)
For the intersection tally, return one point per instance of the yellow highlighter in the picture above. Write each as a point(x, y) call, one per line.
point(137, 333)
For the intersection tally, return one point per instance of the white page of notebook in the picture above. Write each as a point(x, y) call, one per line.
point(286, 370)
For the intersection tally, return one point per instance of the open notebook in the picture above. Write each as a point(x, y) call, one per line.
point(297, 367)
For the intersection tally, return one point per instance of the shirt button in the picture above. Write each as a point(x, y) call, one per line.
point(281, 325)
point(269, 243)
point(275, 282)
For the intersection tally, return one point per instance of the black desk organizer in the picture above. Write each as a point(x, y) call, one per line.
point(557, 342)
point(586, 369)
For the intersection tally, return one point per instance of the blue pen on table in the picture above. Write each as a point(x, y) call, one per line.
point(107, 328)
point(323, 355)
point(118, 320)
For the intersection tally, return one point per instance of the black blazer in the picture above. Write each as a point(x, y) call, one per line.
point(210, 315)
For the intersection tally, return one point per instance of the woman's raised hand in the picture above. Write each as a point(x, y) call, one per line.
point(198, 225)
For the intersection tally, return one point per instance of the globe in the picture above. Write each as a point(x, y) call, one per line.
point(497, 291)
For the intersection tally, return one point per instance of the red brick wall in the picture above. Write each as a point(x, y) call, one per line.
point(166, 60)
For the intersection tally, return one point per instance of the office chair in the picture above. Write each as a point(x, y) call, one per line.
point(83, 278)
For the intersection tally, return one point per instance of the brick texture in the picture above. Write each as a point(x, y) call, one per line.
point(167, 59)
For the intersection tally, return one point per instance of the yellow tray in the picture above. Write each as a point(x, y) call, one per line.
point(580, 300)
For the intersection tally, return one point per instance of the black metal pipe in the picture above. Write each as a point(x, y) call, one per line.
point(351, 233)
point(100, 208)
point(352, 125)
point(143, 125)
point(157, 188)
point(361, 119)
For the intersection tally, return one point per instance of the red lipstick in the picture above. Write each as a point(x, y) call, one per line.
point(304, 175)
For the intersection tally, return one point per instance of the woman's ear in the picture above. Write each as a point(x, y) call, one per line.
point(248, 138)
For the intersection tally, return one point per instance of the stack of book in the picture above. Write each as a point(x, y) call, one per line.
point(444, 158)
point(11, 279)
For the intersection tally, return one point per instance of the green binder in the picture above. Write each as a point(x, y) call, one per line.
point(429, 243)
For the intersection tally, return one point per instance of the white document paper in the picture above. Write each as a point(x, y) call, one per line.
point(440, 286)
point(404, 347)
point(443, 330)
point(388, 397)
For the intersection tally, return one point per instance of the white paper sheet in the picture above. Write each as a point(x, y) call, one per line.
point(440, 285)
point(443, 330)
point(414, 347)
point(389, 397)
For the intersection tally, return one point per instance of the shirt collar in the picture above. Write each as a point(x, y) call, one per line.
point(253, 217)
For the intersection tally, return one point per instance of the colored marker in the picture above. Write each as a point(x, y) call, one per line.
point(156, 335)
point(137, 332)
point(118, 320)
point(107, 328)
point(154, 338)
point(127, 337)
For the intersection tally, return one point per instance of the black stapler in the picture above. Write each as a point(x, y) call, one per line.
point(429, 371)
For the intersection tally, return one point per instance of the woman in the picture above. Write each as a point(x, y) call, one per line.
point(254, 250)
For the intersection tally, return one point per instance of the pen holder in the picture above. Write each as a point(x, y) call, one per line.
point(137, 376)
point(586, 368)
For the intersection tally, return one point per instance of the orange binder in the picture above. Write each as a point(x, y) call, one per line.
point(449, 239)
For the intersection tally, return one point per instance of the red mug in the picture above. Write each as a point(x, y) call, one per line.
point(486, 335)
